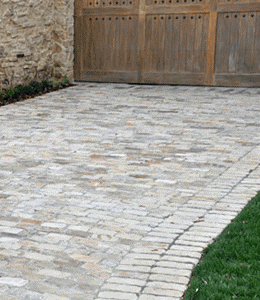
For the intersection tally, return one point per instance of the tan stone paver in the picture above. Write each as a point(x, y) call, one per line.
point(112, 191)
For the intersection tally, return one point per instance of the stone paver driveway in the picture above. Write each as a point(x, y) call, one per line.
point(112, 191)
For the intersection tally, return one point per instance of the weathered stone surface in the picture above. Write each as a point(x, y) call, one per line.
point(40, 30)
point(88, 210)
point(13, 281)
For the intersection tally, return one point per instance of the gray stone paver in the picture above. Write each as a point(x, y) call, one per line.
point(112, 191)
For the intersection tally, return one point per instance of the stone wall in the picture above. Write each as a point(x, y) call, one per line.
point(36, 40)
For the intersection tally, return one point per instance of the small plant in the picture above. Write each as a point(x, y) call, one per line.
point(10, 94)
point(59, 83)
point(34, 88)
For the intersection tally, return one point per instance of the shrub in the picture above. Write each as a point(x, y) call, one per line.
point(33, 88)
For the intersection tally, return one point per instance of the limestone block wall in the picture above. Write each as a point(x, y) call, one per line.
point(36, 40)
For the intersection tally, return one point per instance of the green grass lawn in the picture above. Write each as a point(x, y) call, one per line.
point(230, 267)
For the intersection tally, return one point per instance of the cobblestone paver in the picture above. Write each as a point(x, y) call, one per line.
point(112, 191)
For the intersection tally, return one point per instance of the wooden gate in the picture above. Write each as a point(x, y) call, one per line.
point(197, 42)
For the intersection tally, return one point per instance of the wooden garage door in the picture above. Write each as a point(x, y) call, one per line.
point(204, 42)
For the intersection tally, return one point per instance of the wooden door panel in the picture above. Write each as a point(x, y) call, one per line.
point(109, 40)
point(110, 46)
point(237, 43)
point(237, 49)
point(176, 43)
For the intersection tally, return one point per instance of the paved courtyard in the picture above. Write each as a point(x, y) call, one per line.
point(112, 191)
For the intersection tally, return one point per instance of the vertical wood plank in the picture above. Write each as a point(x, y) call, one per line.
point(101, 47)
point(223, 40)
point(190, 42)
point(117, 52)
point(110, 43)
point(134, 51)
point(241, 42)
point(93, 44)
point(197, 66)
point(141, 39)
point(257, 44)
point(98, 42)
point(182, 43)
point(234, 40)
point(250, 42)
point(105, 44)
point(123, 44)
point(154, 43)
point(168, 42)
point(204, 38)
point(147, 52)
point(160, 59)
point(176, 43)
point(233, 25)
point(211, 43)
point(87, 42)
point(131, 41)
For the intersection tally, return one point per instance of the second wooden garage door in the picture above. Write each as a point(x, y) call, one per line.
point(197, 42)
